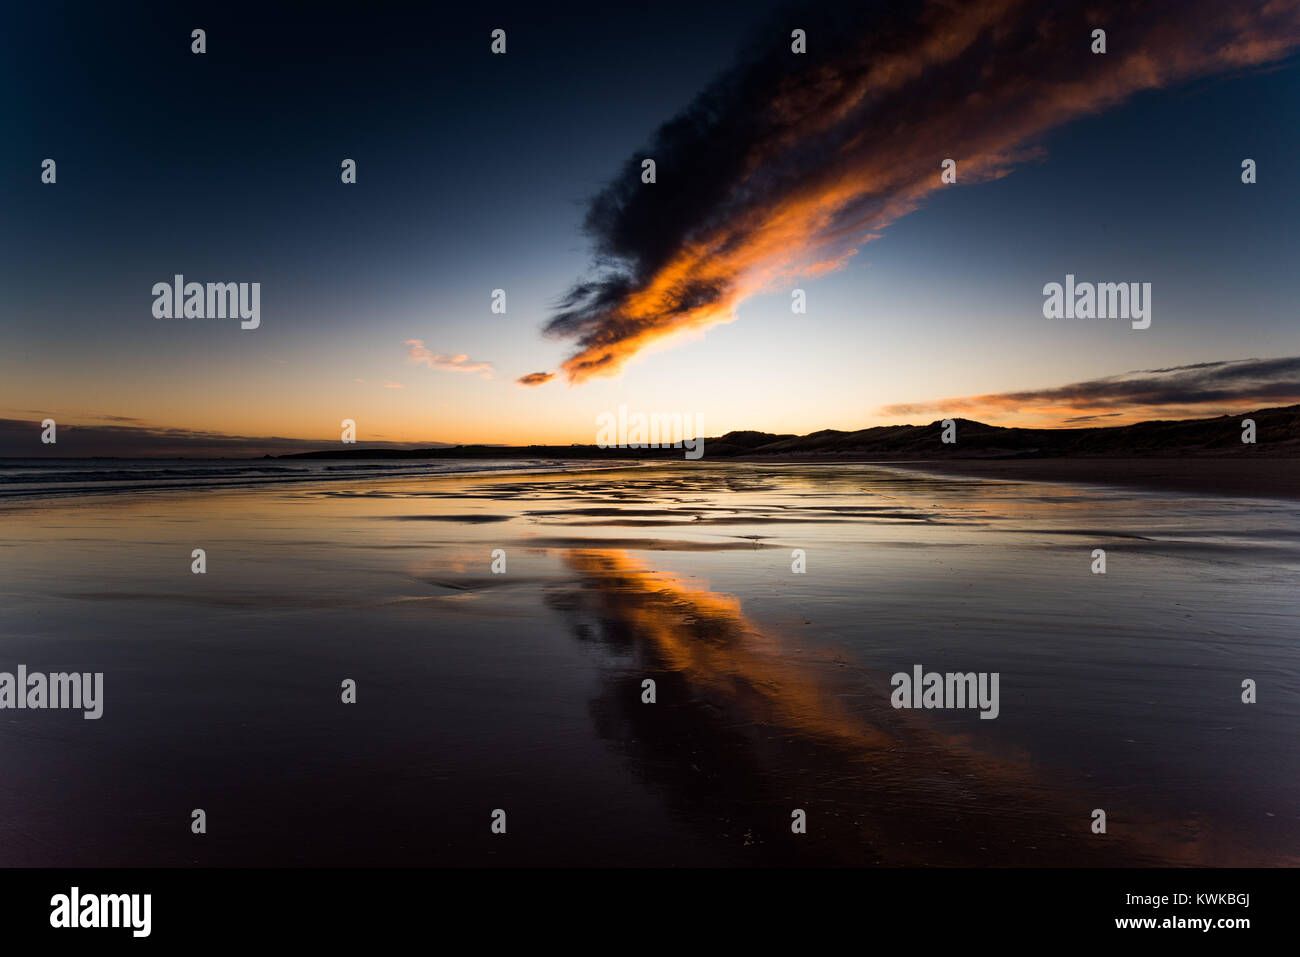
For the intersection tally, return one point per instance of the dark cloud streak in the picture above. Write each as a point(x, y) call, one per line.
point(1222, 385)
point(786, 164)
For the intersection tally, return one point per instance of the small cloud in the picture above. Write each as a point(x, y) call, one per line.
point(361, 381)
point(416, 352)
point(394, 385)
point(1093, 418)
point(536, 378)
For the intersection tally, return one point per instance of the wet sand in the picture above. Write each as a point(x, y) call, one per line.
point(523, 690)
point(1245, 474)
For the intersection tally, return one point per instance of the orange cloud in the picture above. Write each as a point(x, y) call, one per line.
point(536, 378)
point(416, 352)
point(784, 167)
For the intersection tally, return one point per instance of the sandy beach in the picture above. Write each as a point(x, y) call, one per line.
point(521, 688)
point(1244, 475)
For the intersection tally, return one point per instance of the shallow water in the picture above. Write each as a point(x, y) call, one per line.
point(41, 478)
point(523, 691)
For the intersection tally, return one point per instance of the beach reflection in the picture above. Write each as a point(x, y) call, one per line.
point(743, 732)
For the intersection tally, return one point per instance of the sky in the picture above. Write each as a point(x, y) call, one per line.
point(775, 171)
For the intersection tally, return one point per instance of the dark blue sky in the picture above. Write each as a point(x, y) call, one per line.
point(474, 173)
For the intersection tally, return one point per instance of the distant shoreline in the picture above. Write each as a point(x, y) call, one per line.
point(1264, 433)
point(1230, 476)
point(28, 489)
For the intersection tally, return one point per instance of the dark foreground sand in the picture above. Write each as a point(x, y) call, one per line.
point(523, 690)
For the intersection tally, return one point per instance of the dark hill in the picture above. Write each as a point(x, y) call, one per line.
point(1277, 436)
